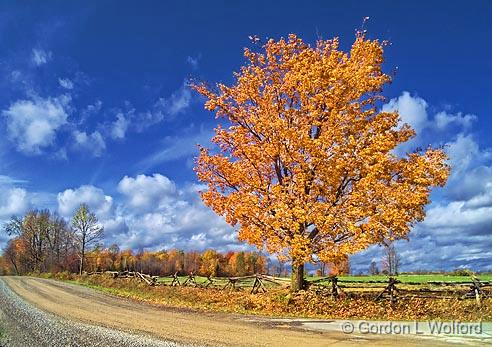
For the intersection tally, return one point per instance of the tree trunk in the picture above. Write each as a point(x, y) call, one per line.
point(15, 266)
point(82, 258)
point(297, 277)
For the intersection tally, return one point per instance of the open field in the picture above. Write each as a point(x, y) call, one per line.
point(414, 278)
point(429, 284)
point(402, 278)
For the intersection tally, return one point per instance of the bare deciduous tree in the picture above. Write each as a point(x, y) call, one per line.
point(87, 231)
point(373, 268)
point(391, 260)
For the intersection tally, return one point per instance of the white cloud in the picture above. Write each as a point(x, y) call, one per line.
point(412, 110)
point(456, 230)
point(40, 56)
point(484, 199)
point(147, 192)
point(119, 127)
point(93, 143)
point(65, 83)
point(13, 201)
point(443, 217)
point(157, 215)
point(470, 183)
point(70, 199)
point(32, 124)
point(444, 119)
point(461, 152)
point(153, 213)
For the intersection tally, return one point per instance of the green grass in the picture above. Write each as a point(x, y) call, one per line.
point(367, 278)
point(402, 278)
point(418, 278)
point(412, 278)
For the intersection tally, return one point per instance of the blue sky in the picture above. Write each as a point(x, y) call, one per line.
point(94, 108)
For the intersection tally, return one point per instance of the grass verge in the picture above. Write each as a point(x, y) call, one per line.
point(279, 302)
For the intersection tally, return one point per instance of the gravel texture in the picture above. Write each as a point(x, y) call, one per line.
point(22, 324)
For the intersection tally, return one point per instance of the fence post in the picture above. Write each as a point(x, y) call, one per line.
point(334, 287)
point(391, 289)
point(477, 291)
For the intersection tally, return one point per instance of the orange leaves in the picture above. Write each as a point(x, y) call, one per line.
point(306, 165)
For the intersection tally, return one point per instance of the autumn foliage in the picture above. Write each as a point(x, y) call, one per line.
point(167, 262)
point(306, 164)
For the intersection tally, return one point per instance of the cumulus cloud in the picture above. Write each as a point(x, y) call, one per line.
point(154, 213)
point(454, 234)
point(70, 199)
point(93, 143)
point(40, 57)
point(462, 151)
point(412, 110)
point(13, 201)
point(32, 124)
point(456, 230)
point(145, 192)
point(444, 119)
point(470, 184)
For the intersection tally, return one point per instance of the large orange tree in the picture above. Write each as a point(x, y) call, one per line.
point(305, 164)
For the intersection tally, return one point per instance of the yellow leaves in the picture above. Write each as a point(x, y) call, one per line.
point(306, 149)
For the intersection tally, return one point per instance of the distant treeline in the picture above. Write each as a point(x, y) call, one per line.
point(17, 260)
point(209, 262)
point(44, 242)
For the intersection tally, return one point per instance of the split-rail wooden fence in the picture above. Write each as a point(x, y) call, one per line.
point(392, 289)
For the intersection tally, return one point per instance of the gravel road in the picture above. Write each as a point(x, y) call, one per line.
point(22, 324)
point(41, 312)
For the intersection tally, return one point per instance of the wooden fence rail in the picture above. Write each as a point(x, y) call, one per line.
point(391, 290)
